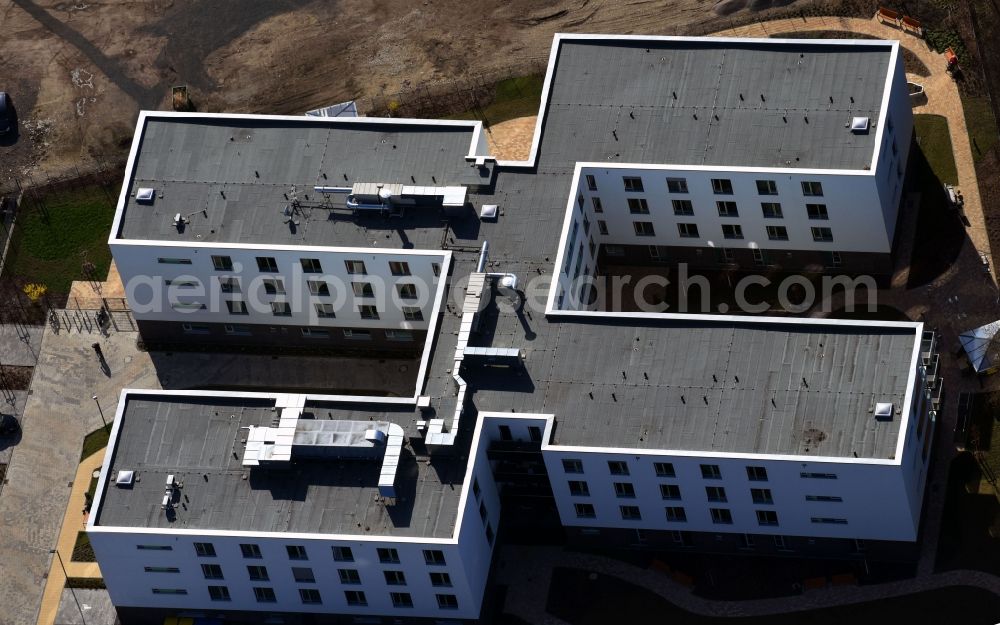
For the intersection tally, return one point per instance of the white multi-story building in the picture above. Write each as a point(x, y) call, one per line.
point(674, 431)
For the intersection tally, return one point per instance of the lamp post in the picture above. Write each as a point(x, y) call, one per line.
point(72, 591)
point(103, 420)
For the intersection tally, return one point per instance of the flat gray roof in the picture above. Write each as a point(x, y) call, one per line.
point(233, 177)
point(699, 102)
point(199, 441)
point(714, 385)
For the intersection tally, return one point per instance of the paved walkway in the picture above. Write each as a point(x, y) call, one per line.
point(527, 571)
point(19, 344)
point(942, 98)
point(74, 521)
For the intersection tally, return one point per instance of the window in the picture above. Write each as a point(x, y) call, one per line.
point(828, 521)
point(721, 516)
point(440, 580)
point(447, 602)
point(630, 513)
point(578, 488)
point(162, 569)
point(746, 541)
point(722, 186)
point(311, 265)
point(771, 210)
point(534, 433)
point(759, 257)
point(482, 511)
point(368, 311)
point(596, 202)
point(638, 206)
point(324, 311)
point(398, 268)
point(727, 209)
point(401, 599)
point(505, 434)
point(676, 514)
point(395, 578)
point(683, 207)
point(572, 466)
point(761, 495)
point(584, 510)
point(436, 268)
point(174, 261)
point(711, 472)
point(250, 551)
point(580, 200)
point(602, 227)
point(236, 307)
point(618, 467)
point(318, 287)
point(777, 233)
point(817, 211)
point(204, 550)
point(591, 182)
point(314, 333)
point(715, 493)
point(355, 597)
point(169, 591)
point(343, 554)
point(767, 187)
point(154, 547)
point(664, 469)
point(309, 596)
point(363, 289)
point(632, 183)
point(281, 309)
point(687, 231)
point(812, 189)
point(732, 231)
point(677, 185)
point(818, 476)
point(211, 571)
point(264, 594)
point(296, 552)
point(824, 235)
point(303, 575)
point(267, 263)
point(624, 489)
point(757, 474)
point(349, 576)
point(412, 313)
point(489, 534)
point(222, 263)
point(196, 328)
point(357, 335)
point(475, 487)
point(670, 491)
point(434, 557)
point(356, 266)
point(228, 284)
point(218, 593)
point(274, 286)
point(643, 228)
point(388, 555)
point(407, 291)
point(827, 498)
point(257, 572)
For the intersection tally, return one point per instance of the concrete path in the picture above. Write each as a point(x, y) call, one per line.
point(942, 98)
point(41, 473)
point(527, 571)
point(74, 521)
point(95, 605)
point(19, 344)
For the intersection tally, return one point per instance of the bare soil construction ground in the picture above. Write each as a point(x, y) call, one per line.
point(79, 72)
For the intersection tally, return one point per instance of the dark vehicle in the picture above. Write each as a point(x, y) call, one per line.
point(6, 114)
point(8, 424)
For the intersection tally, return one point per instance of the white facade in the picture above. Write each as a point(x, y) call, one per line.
point(440, 578)
point(184, 283)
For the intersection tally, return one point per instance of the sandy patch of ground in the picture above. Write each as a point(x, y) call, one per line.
point(511, 140)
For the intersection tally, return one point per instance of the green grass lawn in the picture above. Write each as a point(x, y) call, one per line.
point(49, 245)
point(94, 442)
point(982, 127)
point(935, 143)
point(512, 98)
point(82, 551)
